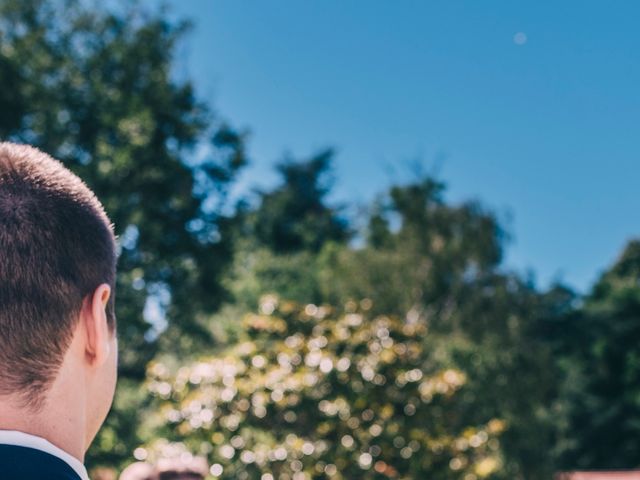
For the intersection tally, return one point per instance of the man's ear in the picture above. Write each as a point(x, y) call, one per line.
point(94, 315)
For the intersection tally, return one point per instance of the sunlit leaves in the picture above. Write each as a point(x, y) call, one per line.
point(319, 392)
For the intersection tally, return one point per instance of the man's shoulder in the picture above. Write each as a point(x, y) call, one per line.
point(24, 463)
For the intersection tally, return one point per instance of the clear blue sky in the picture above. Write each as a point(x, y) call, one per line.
point(543, 128)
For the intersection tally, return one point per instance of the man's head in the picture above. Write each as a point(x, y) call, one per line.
point(57, 278)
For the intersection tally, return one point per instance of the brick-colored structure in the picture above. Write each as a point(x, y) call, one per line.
point(611, 475)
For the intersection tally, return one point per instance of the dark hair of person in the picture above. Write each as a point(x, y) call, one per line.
point(56, 247)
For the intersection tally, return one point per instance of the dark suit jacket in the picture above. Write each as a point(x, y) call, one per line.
point(22, 463)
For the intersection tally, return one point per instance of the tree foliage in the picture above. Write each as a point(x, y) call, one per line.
point(318, 392)
point(441, 261)
point(295, 216)
point(602, 364)
point(95, 88)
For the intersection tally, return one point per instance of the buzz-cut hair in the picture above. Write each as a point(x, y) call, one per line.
point(56, 247)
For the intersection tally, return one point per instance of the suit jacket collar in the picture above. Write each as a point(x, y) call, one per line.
point(21, 439)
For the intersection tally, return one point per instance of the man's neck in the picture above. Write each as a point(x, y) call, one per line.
point(61, 420)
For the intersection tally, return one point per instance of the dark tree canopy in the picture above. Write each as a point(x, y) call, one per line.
point(603, 368)
point(95, 88)
point(295, 215)
point(439, 261)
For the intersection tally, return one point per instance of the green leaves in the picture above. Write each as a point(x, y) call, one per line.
point(600, 351)
point(295, 216)
point(440, 262)
point(317, 392)
point(96, 89)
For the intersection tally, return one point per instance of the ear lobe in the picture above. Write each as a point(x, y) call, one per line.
point(97, 326)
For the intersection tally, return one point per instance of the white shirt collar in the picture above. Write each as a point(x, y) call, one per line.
point(21, 439)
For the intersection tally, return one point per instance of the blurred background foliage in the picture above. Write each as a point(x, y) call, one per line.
point(311, 392)
point(279, 334)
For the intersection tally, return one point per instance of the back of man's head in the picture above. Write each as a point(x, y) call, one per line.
point(56, 247)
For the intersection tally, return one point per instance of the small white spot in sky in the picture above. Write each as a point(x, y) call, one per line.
point(520, 38)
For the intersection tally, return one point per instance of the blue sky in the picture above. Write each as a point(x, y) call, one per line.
point(531, 107)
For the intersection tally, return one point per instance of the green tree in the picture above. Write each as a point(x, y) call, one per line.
point(433, 248)
point(278, 239)
point(95, 88)
point(602, 369)
point(295, 215)
point(443, 261)
point(318, 392)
